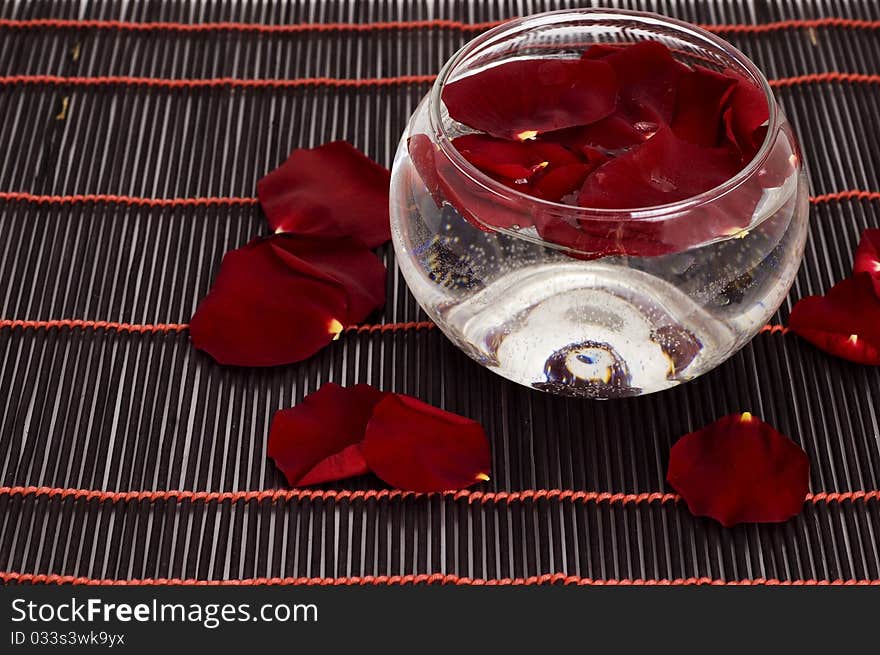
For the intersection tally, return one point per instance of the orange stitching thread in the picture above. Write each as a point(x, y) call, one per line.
point(379, 26)
point(810, 23)
point(337, 82)
point(124, 200)
point(182, 327)
point(472, 497)
point(852, 194)
point(731, 28)
point(95, 325)
point(831, 76)
point(428, 578)
point(23, 196)
point(391, 327)
point(774, 329)
point(233, 82)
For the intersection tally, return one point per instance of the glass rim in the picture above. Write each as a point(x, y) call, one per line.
point(649, 213)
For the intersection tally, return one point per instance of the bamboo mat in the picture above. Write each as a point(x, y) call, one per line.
point(131, 139)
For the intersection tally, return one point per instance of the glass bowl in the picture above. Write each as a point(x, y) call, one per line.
point(653, 296)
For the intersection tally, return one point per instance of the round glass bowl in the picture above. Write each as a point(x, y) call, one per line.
point(652, 297)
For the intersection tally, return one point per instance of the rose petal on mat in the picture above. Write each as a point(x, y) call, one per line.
point(333, 190)
point(844, 322)
point(513, 160)
point(739, 469)
point(746, 112)
point(648, 75)
point(318, 440)
point(664, 169)
point(700, 102)
point(868, 257)
point(524, 98)
point(346, 261)
point(267, 308)
point(415, 446)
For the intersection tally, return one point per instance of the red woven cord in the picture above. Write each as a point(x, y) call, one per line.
point(164, 328)
point(213, 82)
point(853, 194)
point(472, 497)
point(23, 196)
point(730, 28)
point(337, 82)
point(428, 578)
point(182, 327)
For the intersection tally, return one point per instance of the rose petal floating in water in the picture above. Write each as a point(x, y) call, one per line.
point(740, 470)
point(700, 103)
point(524, 98)
point(664, 169)
point(648, 75)
point(513, 160)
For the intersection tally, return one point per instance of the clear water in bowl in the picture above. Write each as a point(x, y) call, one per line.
point(610, 327)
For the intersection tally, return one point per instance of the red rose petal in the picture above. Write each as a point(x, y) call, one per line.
point(415, 446)
point(318, 440)
point(662, 170)
point(520, 99)
point(601, 50)
point(699, 105)
point(280, 299)
point(332, 190)
point(747, 111)
point(562, 181)
point(346, 261)
point(478, 205)
point(612, 133)
point(740, 470)
point(648, 75)
point(844, 322)
point(267, 308)
point(513, 160)
point(868, 257)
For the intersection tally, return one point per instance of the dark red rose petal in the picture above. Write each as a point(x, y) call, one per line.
point(318, 440)
point(331, 191)
point(562, 181)
point(747, 111)
point(648, 75)
point(521, 99)
point(662, 170)
point(699, 105)
point(513, 160)
point(478, 205)
point(268, 308)
point(868, 257)
point(601, 50)
point(612, 133)
point(346, 261)
point(415, 446)
point(844, 322)
point(281, 299)
point(740, 470)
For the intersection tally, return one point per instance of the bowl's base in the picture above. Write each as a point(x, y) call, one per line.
point(588, 329)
